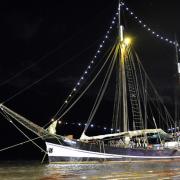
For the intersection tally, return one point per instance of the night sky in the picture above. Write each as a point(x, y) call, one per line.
point(66, 34)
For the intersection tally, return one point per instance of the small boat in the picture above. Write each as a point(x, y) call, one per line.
point(138, 113)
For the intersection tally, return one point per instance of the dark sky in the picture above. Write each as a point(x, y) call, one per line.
point(49, 33)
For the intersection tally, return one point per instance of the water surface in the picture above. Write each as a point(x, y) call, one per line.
point(125, 170)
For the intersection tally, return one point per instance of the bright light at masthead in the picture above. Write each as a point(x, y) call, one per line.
point(127, 41)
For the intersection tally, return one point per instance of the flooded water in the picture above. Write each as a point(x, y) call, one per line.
point(114, 171)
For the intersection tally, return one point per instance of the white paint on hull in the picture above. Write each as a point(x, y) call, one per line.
point(64, 151)
point(172, 144)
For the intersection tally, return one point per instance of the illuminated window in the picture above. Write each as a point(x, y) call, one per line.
point(179, 68)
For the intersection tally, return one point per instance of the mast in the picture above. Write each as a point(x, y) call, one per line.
point(123, 75)
point(176, 91)
point(120, 26)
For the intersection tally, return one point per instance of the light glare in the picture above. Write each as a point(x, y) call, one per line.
point(127, 41)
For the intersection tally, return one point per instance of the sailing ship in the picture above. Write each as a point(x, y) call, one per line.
point(138, 114)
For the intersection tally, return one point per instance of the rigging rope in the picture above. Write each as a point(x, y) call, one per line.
point(102, 90)
point(48, 74)
point(68, 99)
point(135, 91)
point(117, 99)
point(19, 144)
point(148, 28)
point(8, 118)
point(35, 63)
point(63, 106)
point(87, 86)
point(51, 51)
point(154, 90)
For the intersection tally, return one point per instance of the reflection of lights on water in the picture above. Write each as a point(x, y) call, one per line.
point(145, 170)
point(84, 177)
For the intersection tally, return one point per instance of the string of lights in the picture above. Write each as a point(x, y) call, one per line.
point(100, 48)
point(147, 27)
point(103, 128)
point(90, 65)
point(79, 124)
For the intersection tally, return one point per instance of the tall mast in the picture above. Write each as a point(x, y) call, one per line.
point(123, 75)
point(177, 81)
point(121, 35)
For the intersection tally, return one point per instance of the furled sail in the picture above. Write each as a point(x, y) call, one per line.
point(127, 133)
point(52, 128)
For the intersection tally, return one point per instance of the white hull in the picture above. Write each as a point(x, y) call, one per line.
point(56, 151)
